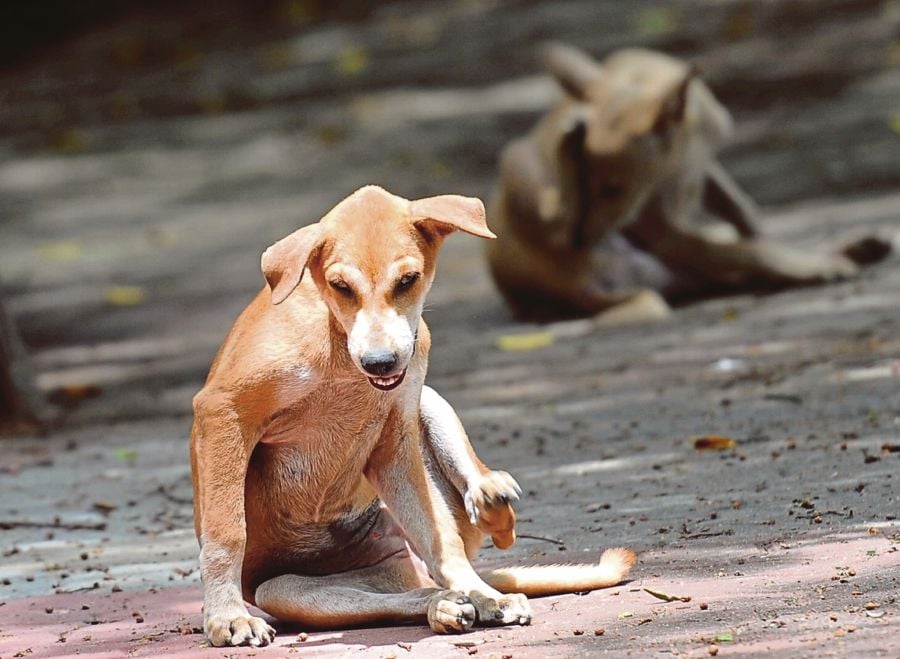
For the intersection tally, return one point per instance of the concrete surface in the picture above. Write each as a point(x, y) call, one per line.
point(130, 242)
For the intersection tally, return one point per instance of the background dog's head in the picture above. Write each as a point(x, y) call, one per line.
point(373, 260)
point(633, 120)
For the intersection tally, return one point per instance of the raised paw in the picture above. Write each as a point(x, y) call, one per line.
point(241, 629)
point(451, 612)
point(488, 506)
point(511, 609)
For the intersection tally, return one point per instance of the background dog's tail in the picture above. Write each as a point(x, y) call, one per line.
point(540, 580)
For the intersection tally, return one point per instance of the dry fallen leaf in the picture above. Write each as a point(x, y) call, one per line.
point(62, 251)
point(352, 61)
point(895, 122)
point(124, 296)
point(713, 443)
point(665, 597)
point(524, 342)
point(74, 393)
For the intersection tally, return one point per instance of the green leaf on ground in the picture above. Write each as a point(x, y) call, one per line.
point(724, 637)
point(656, 20)
point(126, 454)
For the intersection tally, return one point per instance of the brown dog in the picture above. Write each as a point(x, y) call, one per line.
point(616, 196)
point(330, 487)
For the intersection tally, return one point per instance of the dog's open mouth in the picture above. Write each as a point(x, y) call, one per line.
point(389, 382)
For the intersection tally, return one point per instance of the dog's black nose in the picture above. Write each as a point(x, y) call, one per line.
point(379, 361)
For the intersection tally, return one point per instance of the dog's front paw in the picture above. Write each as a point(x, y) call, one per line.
point(488, 506)
point(238, 629)
point(511, 609)
point(451, 612)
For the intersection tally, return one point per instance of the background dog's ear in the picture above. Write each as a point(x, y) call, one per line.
point(575, 70)
point(674, 106)
point(448, 213)
point(284, 262)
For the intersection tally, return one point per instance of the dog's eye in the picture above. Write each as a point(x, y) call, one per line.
point(341, 287)
point(406, 282)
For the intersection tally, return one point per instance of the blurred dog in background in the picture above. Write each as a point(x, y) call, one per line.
point(615, 204)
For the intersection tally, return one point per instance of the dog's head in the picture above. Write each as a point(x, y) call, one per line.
point(628, 127)
point(373, 260)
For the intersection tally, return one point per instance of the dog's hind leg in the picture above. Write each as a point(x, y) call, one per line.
point(390, 592)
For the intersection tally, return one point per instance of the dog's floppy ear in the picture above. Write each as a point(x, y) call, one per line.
point(284, 262)
point(575, 70)
point(448, 213)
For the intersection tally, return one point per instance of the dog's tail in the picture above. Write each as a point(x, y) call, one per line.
point(540, 580)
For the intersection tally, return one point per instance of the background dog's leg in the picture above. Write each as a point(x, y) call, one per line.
point(486, 494)
point(746, 262)
point(724, 197)
point(390, 592)
point(219, 458)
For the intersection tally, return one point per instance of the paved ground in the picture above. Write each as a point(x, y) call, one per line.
point(129, 246)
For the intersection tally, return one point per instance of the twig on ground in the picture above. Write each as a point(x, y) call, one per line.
point(540, 537)
point(55, 524)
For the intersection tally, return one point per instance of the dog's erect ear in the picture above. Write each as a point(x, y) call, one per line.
point(674, 106)
point(284, 262)
point(448, 213)
point(575, 70)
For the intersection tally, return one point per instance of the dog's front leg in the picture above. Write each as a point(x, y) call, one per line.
point(724, 197)
point(486, 494)
point(220, 452)
point(397, 471)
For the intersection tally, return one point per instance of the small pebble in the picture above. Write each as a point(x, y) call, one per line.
point(713, 649)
